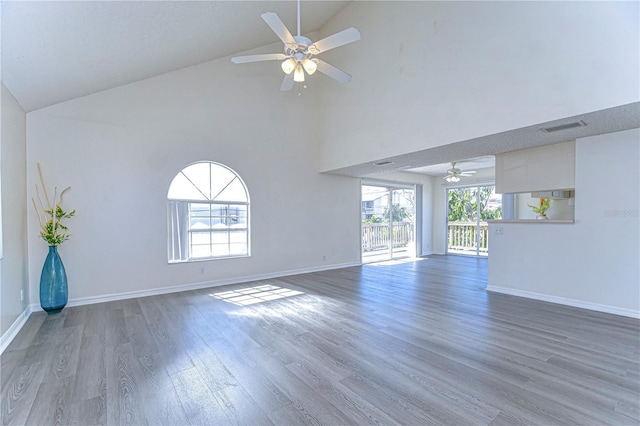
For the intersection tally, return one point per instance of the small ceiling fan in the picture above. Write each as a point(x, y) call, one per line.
point(454, 174)
point(299, 52)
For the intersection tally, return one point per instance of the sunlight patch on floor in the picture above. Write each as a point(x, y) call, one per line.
point(253, 295)
point(397, 261)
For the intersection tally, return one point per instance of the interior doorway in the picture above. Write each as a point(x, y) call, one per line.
point(468, 209)
point(388, 222)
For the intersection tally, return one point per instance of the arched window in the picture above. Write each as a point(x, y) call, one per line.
point(208, 213)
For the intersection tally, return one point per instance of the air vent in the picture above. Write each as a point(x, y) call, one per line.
point(406, 167)
point(383, 163)
point(564, 127)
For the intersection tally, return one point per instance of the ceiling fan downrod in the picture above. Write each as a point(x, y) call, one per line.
point(298, 18)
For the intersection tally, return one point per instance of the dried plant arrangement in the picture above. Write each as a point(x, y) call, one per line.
point(51, 214)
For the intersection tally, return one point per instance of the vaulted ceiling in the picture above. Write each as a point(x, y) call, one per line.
point(56, 51)
point(53, 51)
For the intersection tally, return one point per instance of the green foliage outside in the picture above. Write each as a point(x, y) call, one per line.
point(463, 205)
point(373, 219)
point(398, 214)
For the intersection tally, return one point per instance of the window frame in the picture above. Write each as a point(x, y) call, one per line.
point(243, 211)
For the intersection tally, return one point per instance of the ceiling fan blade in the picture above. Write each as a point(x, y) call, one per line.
point(333, 72)
point(258, 58)
point(469, 173)
point(274, 22)
point(338, 39)
point(287, 83)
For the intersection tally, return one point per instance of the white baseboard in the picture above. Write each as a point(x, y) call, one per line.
point(566, 301)
point(12, 332)
point(195, 286)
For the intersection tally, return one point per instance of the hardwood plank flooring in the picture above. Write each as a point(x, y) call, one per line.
point(391, 343)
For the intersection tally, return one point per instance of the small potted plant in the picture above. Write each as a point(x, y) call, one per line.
point(541, 208)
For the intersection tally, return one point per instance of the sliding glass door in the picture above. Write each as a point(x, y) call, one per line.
point(388, 222)
point(469, 208)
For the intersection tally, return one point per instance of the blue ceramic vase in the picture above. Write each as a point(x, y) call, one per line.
point(53, 283)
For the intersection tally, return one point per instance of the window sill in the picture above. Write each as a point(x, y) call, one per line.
point(207, 259)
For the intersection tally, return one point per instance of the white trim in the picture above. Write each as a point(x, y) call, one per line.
point(17, 325)
point(390, 186)
point(565, 301)
point(195, 286)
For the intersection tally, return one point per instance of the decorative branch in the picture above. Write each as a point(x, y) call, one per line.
point(44, 187)
point(39, 198)
point(62, 194)
point(37, 212)
point(52, 230)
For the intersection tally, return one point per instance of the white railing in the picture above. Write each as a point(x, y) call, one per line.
point(375, 236)
point(462, 236)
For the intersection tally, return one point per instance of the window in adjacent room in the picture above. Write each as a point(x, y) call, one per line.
point(469, 208)
point(208, 213)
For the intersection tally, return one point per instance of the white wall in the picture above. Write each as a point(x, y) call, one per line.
point(593, 263)
point(439, 216)
point(427, 74)
point(13, 266)
point(120, 149)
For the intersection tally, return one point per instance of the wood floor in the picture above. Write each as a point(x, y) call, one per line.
point(411, 343)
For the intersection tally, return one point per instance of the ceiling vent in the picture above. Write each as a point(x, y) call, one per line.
point(383, 163)
point(564, 127)
point(406, 167)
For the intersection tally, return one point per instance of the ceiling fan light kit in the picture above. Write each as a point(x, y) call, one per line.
point(310, 65)
point(299, 51)
point(298, 74)
point(288, 65)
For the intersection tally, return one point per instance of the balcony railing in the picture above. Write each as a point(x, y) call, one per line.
point(462, 236)
point(375, 236)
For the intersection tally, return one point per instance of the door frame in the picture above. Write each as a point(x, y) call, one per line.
point(390, 186)
point(476, 185)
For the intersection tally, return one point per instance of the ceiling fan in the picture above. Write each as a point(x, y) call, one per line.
point(299, 52)
point(454, 174)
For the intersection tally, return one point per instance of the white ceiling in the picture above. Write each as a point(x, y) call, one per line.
point(598, 122)
point(53, 51)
